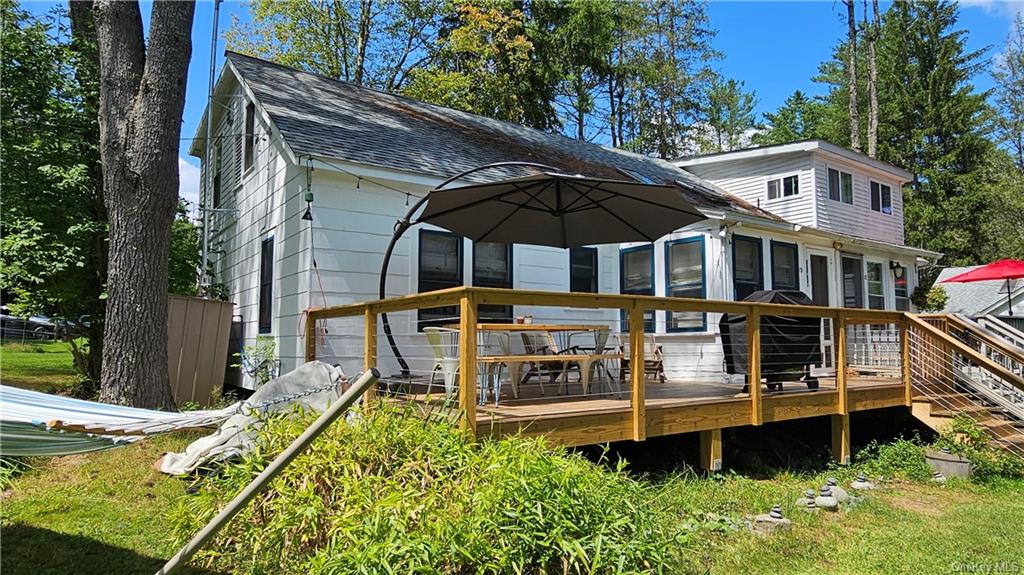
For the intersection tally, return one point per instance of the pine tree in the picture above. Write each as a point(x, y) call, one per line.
point(799, 118)
point(933, 123)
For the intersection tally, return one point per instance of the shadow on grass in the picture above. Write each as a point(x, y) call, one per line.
point(28, 550)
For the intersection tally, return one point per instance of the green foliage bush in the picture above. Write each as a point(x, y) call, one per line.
point(966, 438)
point(929, 299)
point(901, 459)
point(393, 493)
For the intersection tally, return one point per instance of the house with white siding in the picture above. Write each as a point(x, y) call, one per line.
point(806, 216)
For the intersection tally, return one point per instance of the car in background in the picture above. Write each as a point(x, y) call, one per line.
point(36, 328)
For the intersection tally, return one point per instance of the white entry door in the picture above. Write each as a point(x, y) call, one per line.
point(821, 276)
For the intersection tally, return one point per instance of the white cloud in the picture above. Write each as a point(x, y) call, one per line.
point(188, 183)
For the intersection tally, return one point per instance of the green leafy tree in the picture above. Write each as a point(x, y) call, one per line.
point(932, 122)
point(1008, 73)
point(728, 117)
point(798, 118)
point(488, 63)
point(375, 43)
point(53, 223)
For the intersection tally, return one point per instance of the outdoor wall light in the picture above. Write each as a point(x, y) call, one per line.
point(897, 269)
point(837, 245)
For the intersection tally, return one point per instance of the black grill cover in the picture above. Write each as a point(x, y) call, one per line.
point(787, 343)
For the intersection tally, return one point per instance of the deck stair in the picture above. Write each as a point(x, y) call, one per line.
point(960, 368)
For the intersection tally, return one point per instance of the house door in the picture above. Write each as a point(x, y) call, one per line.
point(821, 286)
point(853, 296)
point(853, 281)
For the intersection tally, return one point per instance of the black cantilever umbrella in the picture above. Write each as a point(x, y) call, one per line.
point(560, 210)
point(548, 209)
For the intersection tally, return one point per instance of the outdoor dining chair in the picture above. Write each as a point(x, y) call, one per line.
point(444, 344)
point(594, 363)
point(654, 364)
point(543, 343)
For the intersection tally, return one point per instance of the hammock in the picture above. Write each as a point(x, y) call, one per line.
point(33, 423)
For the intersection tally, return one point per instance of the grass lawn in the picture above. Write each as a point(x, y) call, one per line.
point(45, 366)
point(912, 528)
point(105, 513)
point(93, 513)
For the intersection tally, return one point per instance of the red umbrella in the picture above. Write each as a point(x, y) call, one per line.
point(1002, 270)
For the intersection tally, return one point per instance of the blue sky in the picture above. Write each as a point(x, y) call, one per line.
point(774, 47)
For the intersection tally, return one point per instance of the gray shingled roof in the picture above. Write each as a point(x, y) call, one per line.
point(969, 298)
point(320, 116)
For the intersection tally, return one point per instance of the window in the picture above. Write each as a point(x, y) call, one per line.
point(785, 267)
point(216, 174)
point(583, 270)
point(876, 293)
point(747, 266)
point(492, 267)
point(250, 135)
point(840, 186)
point(636, 267)
point(440, 267)
point(635, 175)
point(881, 198)
point(902, 291)
point(266, 285)
point(684, 277)
point(785, 187)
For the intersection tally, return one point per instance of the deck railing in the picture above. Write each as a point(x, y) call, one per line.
point(865, 345)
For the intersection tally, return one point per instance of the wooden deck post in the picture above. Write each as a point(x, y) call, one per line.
point(841, 439)
point(467, 362)
point(754, 367)
point(711, 450)
point(908, 385)
point(310, 337)
point(842, 407)
point(637, 373)
point(369, 350)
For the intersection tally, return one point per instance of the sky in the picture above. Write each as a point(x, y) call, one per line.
point(774, 47)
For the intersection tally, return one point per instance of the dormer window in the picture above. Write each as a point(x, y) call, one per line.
point(881, 198)
point(783, 187)
point(840, 186)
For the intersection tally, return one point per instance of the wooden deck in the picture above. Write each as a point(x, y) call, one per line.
point(646, 408)
point(671, 408)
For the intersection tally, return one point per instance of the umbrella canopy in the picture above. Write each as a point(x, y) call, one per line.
point(560, 210)
point(1000, 270)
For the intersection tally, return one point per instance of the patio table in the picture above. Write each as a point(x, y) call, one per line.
point(515, 361)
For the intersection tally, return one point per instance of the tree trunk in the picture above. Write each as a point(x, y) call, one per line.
point(142, 94)
point(365, 22)
point(851, 69)
point(872, 33)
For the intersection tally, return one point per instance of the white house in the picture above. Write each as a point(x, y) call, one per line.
point(808, 216)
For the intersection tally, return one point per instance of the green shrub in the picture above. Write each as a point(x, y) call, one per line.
point(901, 459)
point(966, 438)
point(394, 493)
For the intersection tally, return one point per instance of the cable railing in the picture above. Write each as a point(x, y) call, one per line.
point(616, 366)
point(962, 381)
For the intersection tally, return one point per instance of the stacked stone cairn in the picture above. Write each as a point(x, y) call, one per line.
point(770, 522)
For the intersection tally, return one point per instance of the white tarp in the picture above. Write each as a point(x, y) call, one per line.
point(313, 385)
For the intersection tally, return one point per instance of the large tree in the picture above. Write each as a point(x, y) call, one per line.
point(142, 95)
point(53, 225)
point(375, 43)
point(1008, 73)
point(798, 118)
point(727, 120)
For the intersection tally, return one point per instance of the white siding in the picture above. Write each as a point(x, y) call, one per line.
point(859, 219)
point(749, 178)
